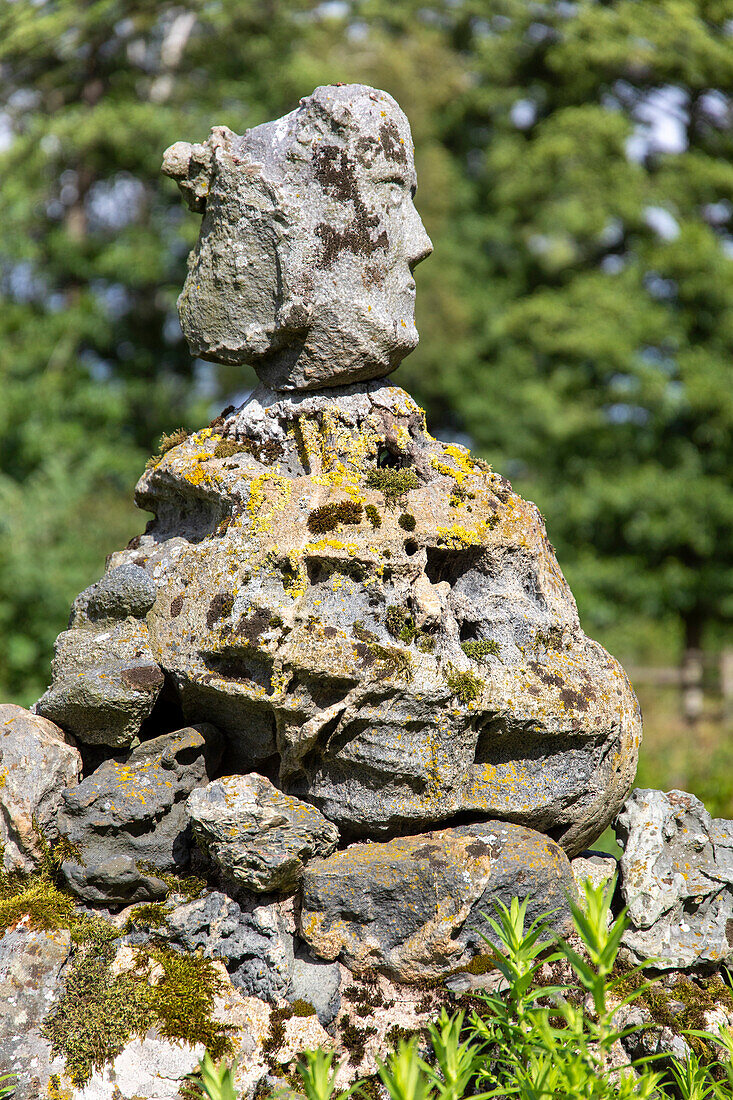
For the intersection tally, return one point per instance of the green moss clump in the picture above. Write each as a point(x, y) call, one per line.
point(361, 633)
point(372, 514)
point(354, 1038)
point(425, 642)
point(167, 443)
point(479, 964)
point(173, 439)
point(399, 623)
point(46, 908)
point(183, 1001)
point(302, 1008)
point(225, 448)
point(465, 686)
point(276, 1038)
point(484, 647)
point(147, 916)
point(390, 662)
point(392, 483)
point(407, 521)
point(329, 516)
point(97, 1013)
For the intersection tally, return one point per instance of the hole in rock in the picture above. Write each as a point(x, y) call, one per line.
point(411, 547)
point(470, 632)
point(388, 459)
point(167, 714)
point(450, 565)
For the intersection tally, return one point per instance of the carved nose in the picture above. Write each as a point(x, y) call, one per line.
point(420, 244)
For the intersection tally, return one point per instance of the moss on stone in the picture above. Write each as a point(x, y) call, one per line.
point(425, 642)
point(329, 516)
point(225, 448)
point(148, 916)
point(99, 1012)
point(483, 647)
point(407, 521)
point(38, 901)
point(392, 483)
point(465, 686)
point(302, 1008)
point(372, 514)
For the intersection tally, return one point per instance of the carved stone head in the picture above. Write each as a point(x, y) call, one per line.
point(308, 243)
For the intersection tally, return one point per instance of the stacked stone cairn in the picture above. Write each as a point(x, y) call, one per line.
point(340, 675)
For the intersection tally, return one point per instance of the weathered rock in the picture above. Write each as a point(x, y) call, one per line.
point(105, 682)
point(149, 1068)
point(123, 592)
point(257, 835)
point(128, 819)
point(413, 908)
point(37, 760)
point(318, 983)
point(31, 966)
point(308, 242)
point(598, 868)
point(676, 880)
point(254, 944)
point(288, 595)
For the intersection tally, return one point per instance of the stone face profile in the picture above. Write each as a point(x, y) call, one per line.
point(308, 241)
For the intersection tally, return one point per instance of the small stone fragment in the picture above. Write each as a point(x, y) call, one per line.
point(413, 908)
point(598, 868)
point(37, 760)
point(677, 880)
point(123, 591)
point(256, 834)
point(105, 683)
point(126, 818)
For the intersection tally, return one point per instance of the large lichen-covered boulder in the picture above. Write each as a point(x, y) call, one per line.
point(126, 822)
point(37, 761)
point(257, 835)
point(676, 880)
point(379, 615)
point(414, 908)
point(105, 680)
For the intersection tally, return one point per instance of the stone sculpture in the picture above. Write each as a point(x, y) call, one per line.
point(309, 238)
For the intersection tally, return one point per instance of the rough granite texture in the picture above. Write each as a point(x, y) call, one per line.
point(414, 908)
point(677, 880)
point(256, 834)
point(37, 761)
point(324, 638)
point(308, 241)
point(105, 680)
point(254, 943)
point(31, 977)
point(128, 820)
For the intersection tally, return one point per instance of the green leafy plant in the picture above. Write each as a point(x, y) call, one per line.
point(9, 1089)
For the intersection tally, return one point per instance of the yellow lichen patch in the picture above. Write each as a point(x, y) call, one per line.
point(456, 537)
point(463, 465)
point(262, 520)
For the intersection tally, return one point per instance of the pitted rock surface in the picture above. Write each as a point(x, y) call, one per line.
point(298, 612)
point(414, 908)
point(37, 761)
point(31, 977)
point(254, 942)
point(127, 820)
point(256, 834)
point(677, 880)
